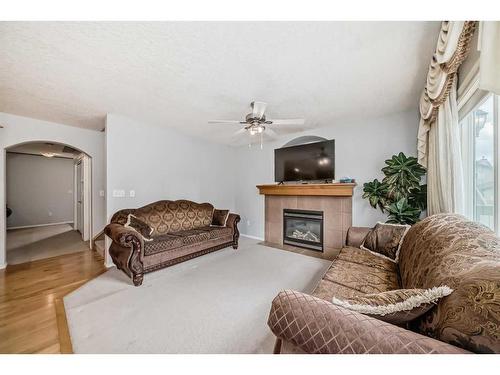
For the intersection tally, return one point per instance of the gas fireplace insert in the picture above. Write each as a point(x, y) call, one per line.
point(303, 228)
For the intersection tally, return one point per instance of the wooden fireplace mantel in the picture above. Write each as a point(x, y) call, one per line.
point(332, 190)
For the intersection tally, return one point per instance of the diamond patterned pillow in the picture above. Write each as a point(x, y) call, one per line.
point(398, 306)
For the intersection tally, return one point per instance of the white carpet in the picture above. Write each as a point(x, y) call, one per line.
point(217, 303)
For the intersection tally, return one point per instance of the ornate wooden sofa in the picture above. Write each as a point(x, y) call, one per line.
point(181, 230)
point(440, 250)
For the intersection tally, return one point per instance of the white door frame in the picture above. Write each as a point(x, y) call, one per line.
point(86, 162)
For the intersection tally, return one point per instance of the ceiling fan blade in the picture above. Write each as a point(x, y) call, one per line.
point(292, 121)
point(271, 133)
point(226, 122)
point(258, 109)
point(238, 133)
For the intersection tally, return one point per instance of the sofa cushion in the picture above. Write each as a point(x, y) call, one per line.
point(362, 273)
point(360, 256)
point(398, 306)
point(192, 236)
point(447, 249)
point(217, 232)
point(173, 241)
point(385, 239)
point(327, 289)
point(162, 243)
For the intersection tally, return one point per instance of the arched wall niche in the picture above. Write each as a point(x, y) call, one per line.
point(304, 140)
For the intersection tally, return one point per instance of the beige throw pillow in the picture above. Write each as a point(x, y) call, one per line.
point(385, 240)
point(219, 218)
point(395, 306)
point(139, 226)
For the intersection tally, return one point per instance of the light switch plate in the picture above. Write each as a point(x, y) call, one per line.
point(118, 193)
point(101, 193)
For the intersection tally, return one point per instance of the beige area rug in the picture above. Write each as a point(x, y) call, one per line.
point(29, 244)
point(216, 303)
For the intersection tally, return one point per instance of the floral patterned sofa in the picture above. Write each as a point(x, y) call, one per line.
point(180, 230)
point(442, 249)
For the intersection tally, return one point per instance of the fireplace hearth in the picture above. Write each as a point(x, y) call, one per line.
point(303, 228)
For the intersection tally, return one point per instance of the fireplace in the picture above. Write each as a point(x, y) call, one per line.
point(303, 228)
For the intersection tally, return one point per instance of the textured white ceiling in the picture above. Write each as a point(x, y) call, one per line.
point(181, 74)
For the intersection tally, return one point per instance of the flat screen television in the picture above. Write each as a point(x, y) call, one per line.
point(309, 162)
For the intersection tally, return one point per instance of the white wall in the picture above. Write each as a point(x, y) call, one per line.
point(19, 129)
point(39, 190)
point(360, 149)
point(160, 163)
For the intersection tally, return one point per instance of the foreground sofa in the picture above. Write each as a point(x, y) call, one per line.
point(181, 230)
point(440, 250)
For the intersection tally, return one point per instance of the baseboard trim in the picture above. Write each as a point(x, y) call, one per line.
point(98, 234)
point(40, 225)
point(252, 237)
point(3, 266)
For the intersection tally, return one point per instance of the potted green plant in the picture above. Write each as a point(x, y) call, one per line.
point(400, 193)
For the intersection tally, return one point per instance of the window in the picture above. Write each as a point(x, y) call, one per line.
point(479, 132)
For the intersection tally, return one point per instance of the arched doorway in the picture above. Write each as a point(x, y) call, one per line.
point(49, 195)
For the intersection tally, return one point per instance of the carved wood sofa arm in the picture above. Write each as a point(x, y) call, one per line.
point(318, 326)
point(232, 222)
point(126, 251)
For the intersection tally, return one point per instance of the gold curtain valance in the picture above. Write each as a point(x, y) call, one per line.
point(451, 50)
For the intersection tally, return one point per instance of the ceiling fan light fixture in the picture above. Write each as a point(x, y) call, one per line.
point(48, 154)
point(256, 129)
point(255, 123)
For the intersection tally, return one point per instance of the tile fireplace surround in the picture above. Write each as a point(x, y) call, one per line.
point(335, 200)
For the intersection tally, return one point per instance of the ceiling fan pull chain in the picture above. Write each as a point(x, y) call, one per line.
point(261, 141)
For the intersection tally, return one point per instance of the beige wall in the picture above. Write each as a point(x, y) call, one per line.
point(39, 190)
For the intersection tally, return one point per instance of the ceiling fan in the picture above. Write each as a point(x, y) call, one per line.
point(256, 123)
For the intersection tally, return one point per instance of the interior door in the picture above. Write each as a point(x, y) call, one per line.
point(79, 197)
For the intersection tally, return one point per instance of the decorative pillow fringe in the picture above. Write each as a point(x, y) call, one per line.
point(428, 296)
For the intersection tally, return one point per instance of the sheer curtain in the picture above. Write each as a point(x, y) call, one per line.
point(445, 188)
point(438, 143)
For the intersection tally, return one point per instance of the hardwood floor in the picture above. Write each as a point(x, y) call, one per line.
point(28, 295)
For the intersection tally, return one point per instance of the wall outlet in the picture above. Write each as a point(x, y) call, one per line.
point(101, 193)
point(248, 223)
point(131, 193)
point(50, 213)
point(118, 193)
